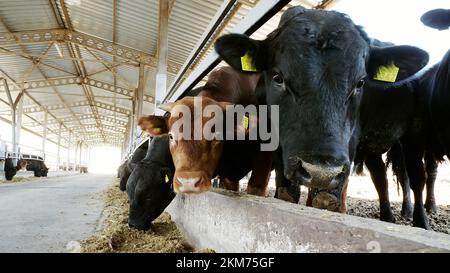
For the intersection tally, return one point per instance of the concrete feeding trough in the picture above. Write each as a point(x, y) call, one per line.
point(235, 222)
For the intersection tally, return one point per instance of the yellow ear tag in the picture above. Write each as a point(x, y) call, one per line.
point(245, 122)
point(387, 73)
point(166, 178)
point(156, 130)
point(246, 63)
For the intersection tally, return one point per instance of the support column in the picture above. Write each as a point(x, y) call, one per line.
point(68, 150)
point(44, 134)
point(18, 126)
point(14, 131)
point(76, 156)
point(81, 152)
point(161, 74)
point(131, 132)
point(138, 106)
point(58, 155)
point(16, 118)
point(140, 92)
point(88, 160)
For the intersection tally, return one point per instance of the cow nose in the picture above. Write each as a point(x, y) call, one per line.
point(188, 184)
point(325, 176)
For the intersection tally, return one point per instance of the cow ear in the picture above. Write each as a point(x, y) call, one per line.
point(154, 125)
point(437, 18)
point(395, 63)
point(241, 52)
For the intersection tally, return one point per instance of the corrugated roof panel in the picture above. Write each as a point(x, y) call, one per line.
point(21, 15)
point(15, 67)
point(92, 16)
point(187, 22)
point(137, 24)
point(45, 98)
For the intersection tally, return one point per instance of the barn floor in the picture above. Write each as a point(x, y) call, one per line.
point(44, 215)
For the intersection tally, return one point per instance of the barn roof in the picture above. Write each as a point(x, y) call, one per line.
point(79, 63)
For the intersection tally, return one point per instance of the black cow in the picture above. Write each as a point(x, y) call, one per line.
point(10, 169)
point(127, 167)
point(37, 166)
point(430, 131)
point(313, 66)
point(385, 115)
point(425, 138)
point(437, 18)
point(149, 186)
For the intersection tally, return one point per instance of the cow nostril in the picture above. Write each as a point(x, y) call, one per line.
point(302, 176)
point(197, 184)
point(177, 182)
point(336, 181)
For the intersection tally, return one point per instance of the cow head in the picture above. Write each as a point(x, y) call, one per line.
point(149, 186)
point(149, 193)
point(197, 154)
point(314, 66)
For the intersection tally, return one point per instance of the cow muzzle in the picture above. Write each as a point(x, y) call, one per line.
point(191, 182)
point(318, 176)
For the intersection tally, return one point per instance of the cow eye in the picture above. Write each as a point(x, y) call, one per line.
point(278, 78)
point(360, 84)
point(170, 136)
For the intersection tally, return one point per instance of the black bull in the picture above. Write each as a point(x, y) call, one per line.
point(127, 167)
point(149, 186)
point(314, 66)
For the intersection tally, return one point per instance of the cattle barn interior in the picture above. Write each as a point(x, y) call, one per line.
point(76, 76)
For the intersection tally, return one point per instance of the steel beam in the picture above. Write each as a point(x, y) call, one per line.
point(102, 105)
point(23, 91)
point(43, 108)
point(215, 24)
point(36, 84)
point(257, 16)
point(62, 35)
point(163, 45)
point(83, 117)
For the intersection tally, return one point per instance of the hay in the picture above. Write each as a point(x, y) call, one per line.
point(116, 236)
point(19, 179)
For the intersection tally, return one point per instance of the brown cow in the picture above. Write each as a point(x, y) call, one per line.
point(198, 161)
